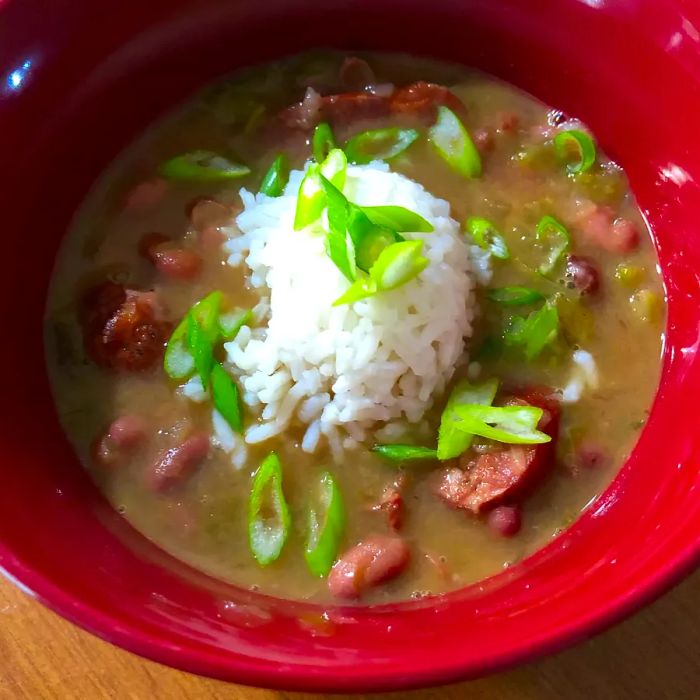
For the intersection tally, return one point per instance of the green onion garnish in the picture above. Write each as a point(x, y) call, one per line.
point(311, 199)
point(226, 397)
point(323, 142)
point(201, 347)
point(509, 424)
point(335, 167)
point(534, 332)
point(276, 178)
point(398, 264)
point(454, 145)
point(268, 514)
point(371, 244)
point(179, 361)
point(360, 289)
point(339, 244)
point(514, 296)
point(578, 143)
point(487, 237)
point(379, 144)
point(556, 236)
point(326, 526)
point(404, 453)
point(452, 442)
point(232, 322)
point(398, 219)
point(202, 166)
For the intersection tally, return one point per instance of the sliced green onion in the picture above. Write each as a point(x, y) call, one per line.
point(202, 166)
point(178, 362)
point(578, 142)
point(202, 334)
point(371, 245)
point(454, 145)
point(323, 142)
point(398, 264)
point(268, 514)
point(487, 237)
point(232, 322)
point(360, 289)
point(404, 453)
point(452, 442)
point(206, 312)
point(326, 526)
point(534, 332)
point(226, 397)
point(311, 199)
point(379, 144)
point(202, 349)
point(514, 296)
point(398, 219)
point(509, 424)
point(360, 225)
point(276, 178)
point(335, 167)
point(339, 244)
point(556, 236)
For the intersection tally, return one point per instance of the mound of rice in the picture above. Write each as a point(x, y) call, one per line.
point(341, 371)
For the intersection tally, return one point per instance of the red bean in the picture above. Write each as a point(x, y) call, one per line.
point(625, 237)
point(582, 274)
point(210, 238)
point(123, 436)
point(177, 263)
point(585, 457)
point(508, 122)
point(483, 140)
point(150, 242)
point(505, 521)
point(204, 212)
point(375, 560)
point(175, 465)
point(128, 431)
point(146, 194)
point(601, 228)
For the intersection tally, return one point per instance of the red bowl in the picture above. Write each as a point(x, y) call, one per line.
point(80, 79)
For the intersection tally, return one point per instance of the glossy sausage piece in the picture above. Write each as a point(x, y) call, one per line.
point(375, 560)
point(122, 328)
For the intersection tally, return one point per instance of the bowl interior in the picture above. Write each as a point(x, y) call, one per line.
point(78, 82)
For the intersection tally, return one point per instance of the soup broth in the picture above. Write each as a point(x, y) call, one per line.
point(599, 364)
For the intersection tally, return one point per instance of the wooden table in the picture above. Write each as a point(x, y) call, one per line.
point(654, 656)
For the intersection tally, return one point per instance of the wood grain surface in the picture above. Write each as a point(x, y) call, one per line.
point(654, 655)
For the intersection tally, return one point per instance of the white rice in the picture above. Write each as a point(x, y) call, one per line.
point(343, 371)
point(583, 376)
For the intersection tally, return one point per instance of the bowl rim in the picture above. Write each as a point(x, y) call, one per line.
point(682, 559)
point(238, 668)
